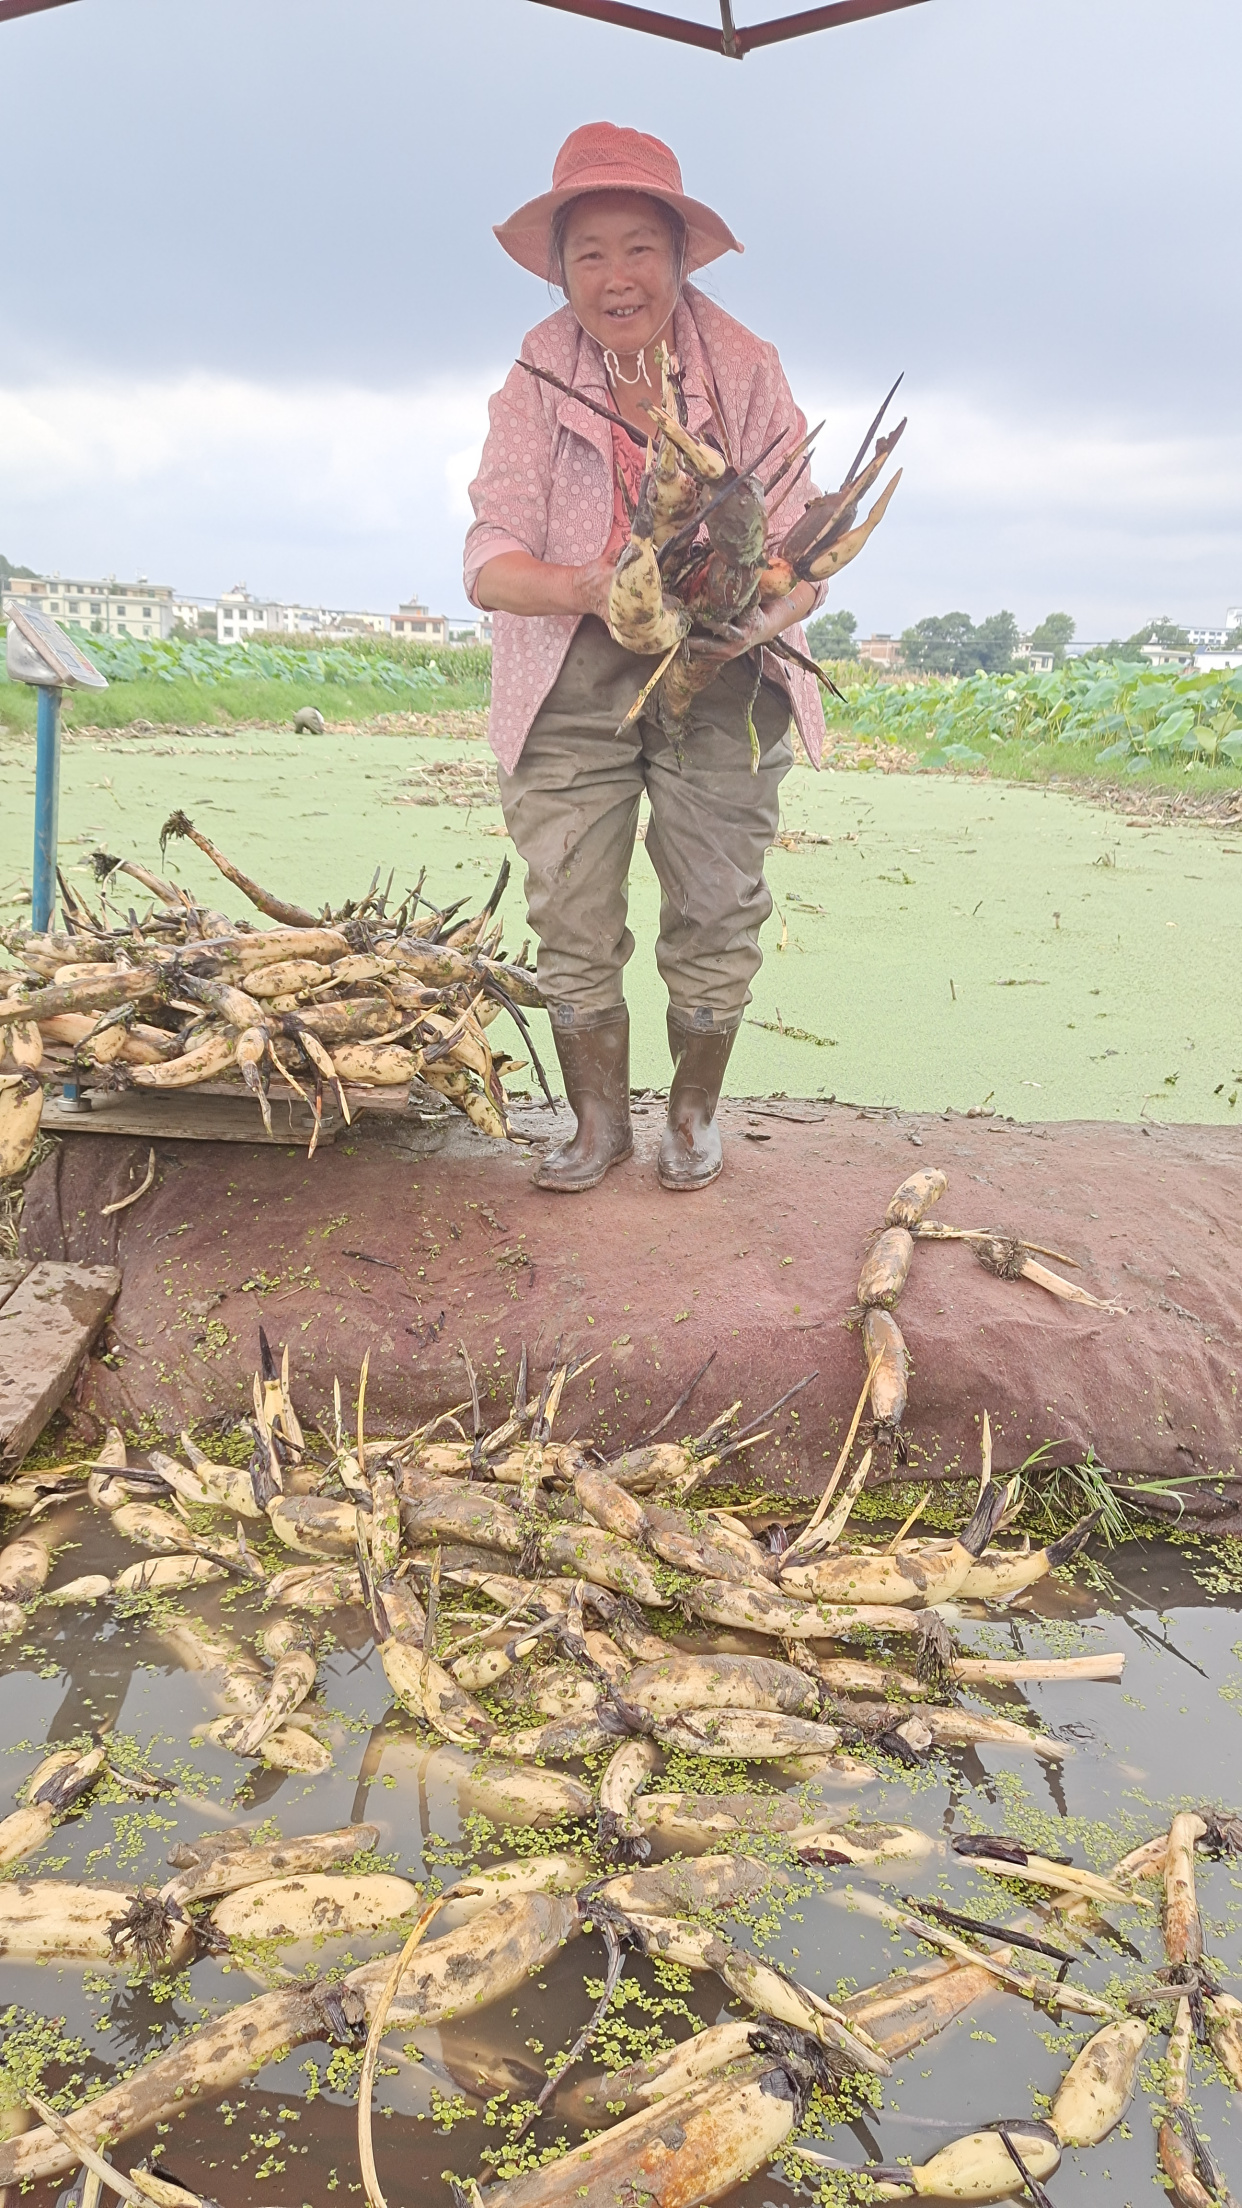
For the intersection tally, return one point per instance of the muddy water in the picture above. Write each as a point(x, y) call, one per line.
point(1168, 1736)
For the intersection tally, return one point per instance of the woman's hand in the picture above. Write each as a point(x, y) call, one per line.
point(592, 587)
point(756, 627)
point(516, 582)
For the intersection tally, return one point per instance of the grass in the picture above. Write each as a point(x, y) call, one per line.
point(1134, 734)
point(186, 704)
point(250, 700)
point(1047, 765)
point(1051, 1500)
point(1054, 1499)
point(179, 683)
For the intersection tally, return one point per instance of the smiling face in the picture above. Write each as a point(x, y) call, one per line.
point(621, 267)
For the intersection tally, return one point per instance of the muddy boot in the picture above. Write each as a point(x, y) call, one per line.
point(690, 1150)
point(595, 1061)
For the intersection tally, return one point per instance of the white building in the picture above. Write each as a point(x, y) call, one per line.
point(1226, 639)
point(108, 608)
point(195, 614)
point(299, 620)
point(237, 615)
point(1164, 655)
point(240, 616)
point(358, 624)
point(414, 621)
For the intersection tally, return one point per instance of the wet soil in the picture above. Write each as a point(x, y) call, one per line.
point(409, 1242)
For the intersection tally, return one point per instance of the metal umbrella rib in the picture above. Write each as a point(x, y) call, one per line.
point(732, 41)
point(11, 8)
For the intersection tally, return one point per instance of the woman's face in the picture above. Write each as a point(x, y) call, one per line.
point(620, 269)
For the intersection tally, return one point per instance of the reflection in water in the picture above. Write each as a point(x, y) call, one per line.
point(1161, 1640)
point(261, 1786)
point(99, 1676)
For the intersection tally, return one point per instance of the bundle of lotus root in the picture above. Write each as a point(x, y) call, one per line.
point(704, 547)
point(364, 998)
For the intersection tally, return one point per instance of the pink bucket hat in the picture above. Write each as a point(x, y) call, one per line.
point(602, 157)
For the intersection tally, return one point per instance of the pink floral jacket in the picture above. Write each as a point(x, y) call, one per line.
point(545, 485)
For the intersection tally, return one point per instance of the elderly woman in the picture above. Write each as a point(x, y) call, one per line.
point(619, 236)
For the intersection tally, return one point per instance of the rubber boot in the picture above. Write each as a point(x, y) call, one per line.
point(595, 1062)
point(690, 1148)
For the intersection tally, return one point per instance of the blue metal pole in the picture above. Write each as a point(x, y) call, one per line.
point(47, 805)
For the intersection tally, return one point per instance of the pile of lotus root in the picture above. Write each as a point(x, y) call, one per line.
point(361, 999)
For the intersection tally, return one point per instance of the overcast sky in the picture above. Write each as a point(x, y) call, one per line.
point(251, 306)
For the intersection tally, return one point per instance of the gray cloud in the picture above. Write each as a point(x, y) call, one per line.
point(1027, 204)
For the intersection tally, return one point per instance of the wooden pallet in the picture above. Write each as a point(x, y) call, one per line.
point(49, 1316)
point(186, 1116)
point(215, 1112)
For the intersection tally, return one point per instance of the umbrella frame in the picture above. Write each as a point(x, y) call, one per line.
point(732, 42)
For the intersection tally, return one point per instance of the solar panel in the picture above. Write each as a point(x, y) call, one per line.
point(39, 651)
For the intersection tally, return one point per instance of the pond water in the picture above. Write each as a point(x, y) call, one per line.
point(941, 943)
point(1167, 1736)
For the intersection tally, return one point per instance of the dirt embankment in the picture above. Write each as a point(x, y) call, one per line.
point(383, 1243)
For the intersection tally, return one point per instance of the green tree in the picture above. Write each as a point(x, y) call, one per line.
point(939, 644)
point(1162, 631)
point(950, 644)
point(1054, 634)
point(195, 631)
point(832, 636)
point(994, 643)
point(7, 568)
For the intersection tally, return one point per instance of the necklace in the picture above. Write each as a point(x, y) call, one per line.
point(613, 368)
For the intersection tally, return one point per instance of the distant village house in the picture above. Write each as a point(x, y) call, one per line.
point(108, 608)
point(421, 627)
point(144, 611)
point(239, 617)
point(880, 651)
